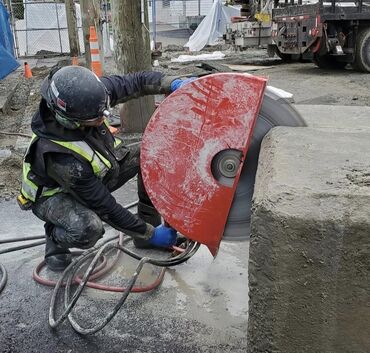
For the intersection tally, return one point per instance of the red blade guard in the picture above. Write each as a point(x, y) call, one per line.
point(188, 129)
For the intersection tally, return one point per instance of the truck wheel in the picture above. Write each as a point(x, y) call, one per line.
point(362, 55)
point(328, 62)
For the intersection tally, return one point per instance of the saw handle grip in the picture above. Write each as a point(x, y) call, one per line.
point(177, 83)
point(163, 237)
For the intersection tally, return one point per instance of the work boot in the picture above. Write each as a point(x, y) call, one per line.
point(57, 258)
point(150, 215)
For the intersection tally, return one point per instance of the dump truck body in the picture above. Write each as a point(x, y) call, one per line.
point(332, 33)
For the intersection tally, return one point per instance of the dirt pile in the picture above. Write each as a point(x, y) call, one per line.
point(10, 170)
point(22, 99)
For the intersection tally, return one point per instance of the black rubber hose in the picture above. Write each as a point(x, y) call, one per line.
point(4, 274)
point(109, 317)
point(21, 247)
point(14, 240)
point(72, 269)
point(143, 260)
point(191, 249)
point(4, 277)
point(68, 273)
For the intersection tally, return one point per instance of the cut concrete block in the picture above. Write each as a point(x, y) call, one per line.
point(335, 116)
point(309, 267)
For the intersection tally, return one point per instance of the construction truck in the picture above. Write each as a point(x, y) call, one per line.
point(252, 28)
point(332, 33)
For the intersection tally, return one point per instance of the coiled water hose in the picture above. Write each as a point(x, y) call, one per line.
point(96, 254)
point(96, 269)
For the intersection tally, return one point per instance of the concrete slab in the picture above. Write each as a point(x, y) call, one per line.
point(246, 68)
point(3, 103)
point(7, 89)
point(335, 116)
point(309, 253)
point(5, 153)
point(202, 305)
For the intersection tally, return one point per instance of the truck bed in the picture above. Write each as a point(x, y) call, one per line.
point(335, 10)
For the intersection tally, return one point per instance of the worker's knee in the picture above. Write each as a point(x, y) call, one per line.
point(90, 229)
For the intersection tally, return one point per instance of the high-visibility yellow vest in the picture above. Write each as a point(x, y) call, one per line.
point(99, 164)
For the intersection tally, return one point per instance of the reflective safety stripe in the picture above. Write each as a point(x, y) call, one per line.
point(94, 45)
point(51, 192)
point(99, 163)
point(29, 188)
point(117, 142)
point(95, 57)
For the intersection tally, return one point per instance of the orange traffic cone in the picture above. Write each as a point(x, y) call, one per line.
point(74, 60)
point(27, 70)
point(96, 66)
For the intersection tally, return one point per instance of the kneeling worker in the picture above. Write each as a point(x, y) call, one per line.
point(73, 163)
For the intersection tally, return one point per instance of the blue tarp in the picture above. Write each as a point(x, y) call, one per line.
point(7, 60)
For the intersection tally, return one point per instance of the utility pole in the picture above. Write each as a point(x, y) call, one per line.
point(12, 22)
point(74, 43)
point(90, 16)
point(132, 53)
point(7, 2)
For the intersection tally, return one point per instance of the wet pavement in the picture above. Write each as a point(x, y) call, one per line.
point(201, 306)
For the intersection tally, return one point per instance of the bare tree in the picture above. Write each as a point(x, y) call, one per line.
point(132, 54)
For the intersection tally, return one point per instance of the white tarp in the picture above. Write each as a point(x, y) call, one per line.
point(212, 27)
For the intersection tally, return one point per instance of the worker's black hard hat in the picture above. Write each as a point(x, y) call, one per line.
point(75, 93)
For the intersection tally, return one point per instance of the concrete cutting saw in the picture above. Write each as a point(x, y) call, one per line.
point(199, 153)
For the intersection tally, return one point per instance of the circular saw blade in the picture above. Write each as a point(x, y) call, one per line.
point(275, 111)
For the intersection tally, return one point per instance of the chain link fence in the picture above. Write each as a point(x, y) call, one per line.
point(180, 13)
point(40, 26)
point(176, 20)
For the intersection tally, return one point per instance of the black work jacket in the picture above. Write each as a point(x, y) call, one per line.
point(52, 167)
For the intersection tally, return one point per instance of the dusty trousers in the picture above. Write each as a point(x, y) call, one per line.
point(71, 224)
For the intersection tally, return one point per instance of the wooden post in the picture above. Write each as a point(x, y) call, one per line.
point(132, 53)
point(74, 43)
point(90, 16)
point(99, 28)
point(12, 22)
point(7, 3)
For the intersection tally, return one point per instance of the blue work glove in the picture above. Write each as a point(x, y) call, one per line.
point(175, 84)
point(163, 237)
